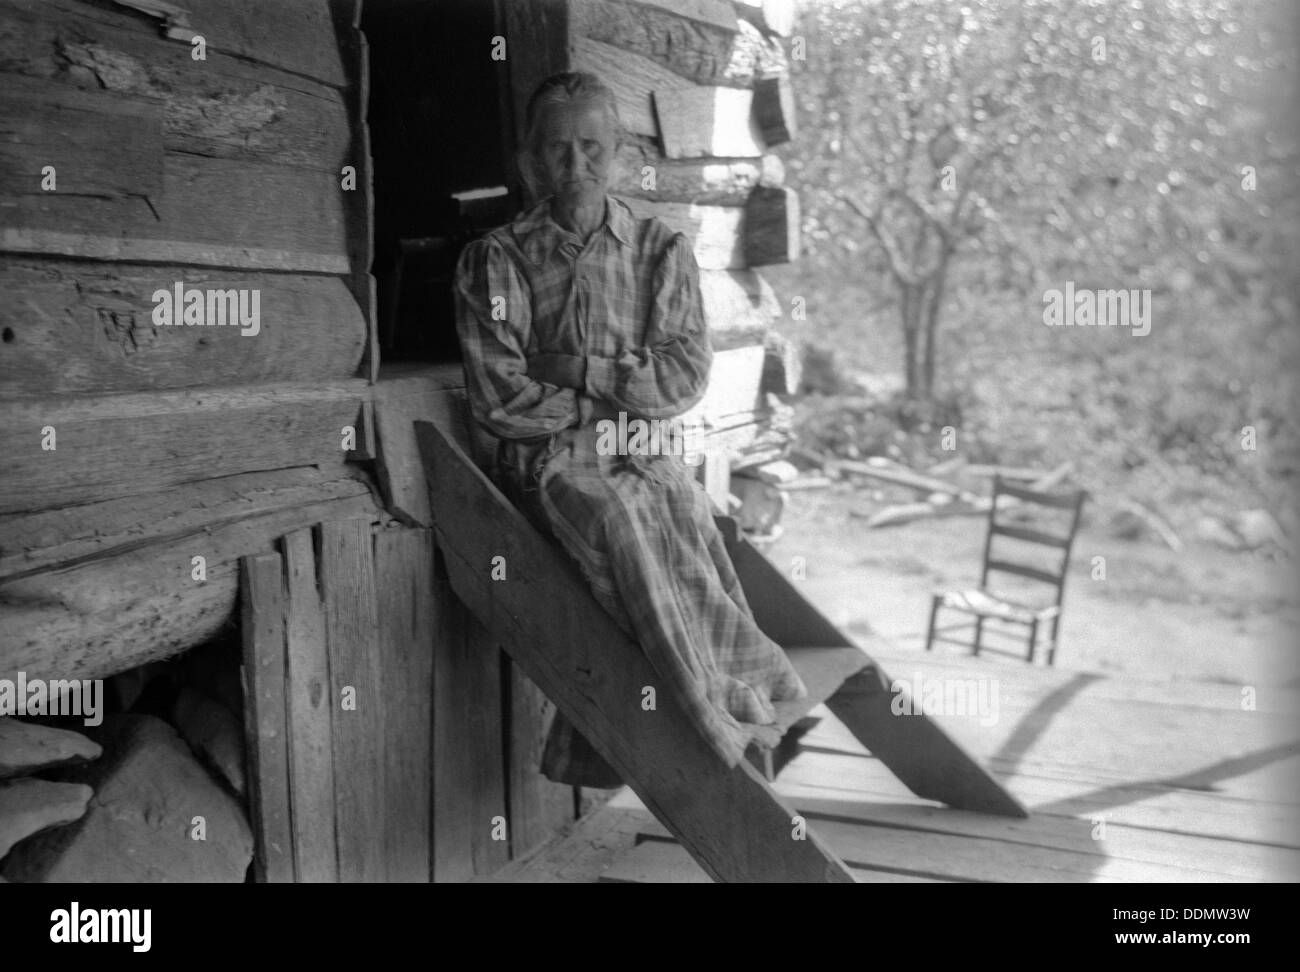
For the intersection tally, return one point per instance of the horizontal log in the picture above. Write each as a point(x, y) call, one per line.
point(644, 173)
point(739, 307)
point(700, 49)
point(771, 230)
point(121, 445)
point(718, 13)
point(228, 212)
point(631, 77)
point(226, 106)
point(79, 143)
point(733, 388)
point(707, 122)
point(71, 535)
point(108, 615)
point(715, 231)
point(81, 327)
point(297, 36)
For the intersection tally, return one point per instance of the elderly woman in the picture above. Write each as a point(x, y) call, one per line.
point(571, 314)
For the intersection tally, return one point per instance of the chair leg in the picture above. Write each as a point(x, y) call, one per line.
point(1055, 634)
point(1033, 640)
point(934, 616)
point(979, 634)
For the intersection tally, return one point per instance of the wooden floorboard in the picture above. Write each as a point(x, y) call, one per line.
point(1125, 781)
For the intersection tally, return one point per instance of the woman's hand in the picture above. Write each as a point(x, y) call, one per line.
point(563, 370)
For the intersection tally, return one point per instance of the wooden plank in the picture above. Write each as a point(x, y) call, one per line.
point(707, 122)
point(823, 671)
point(916, 749)
point(642, 172)
point(718, 13)
point(538, 807)
point(739, 307)
point(482, 734)
point(404, 564)
point(122, 611)
point(226, 106)
point(732, 388)
point(774, 110)
point(347, 582)
point(771, 226)
point(79, 327)
point(98, 144)
point(211, 211)
point(631, 77)
point(715, 231)
point(310, 705)
point(727, 817)
point(72, 535)
point(453, 771)
point(266, 725)
point(1118, 845)
point(706, 47)
point(192, 435)
point(428, 394)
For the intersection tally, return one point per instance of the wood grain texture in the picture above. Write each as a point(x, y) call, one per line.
point(226, 106)
point(707, 122)
point(642, 172)
point(81, 327)
point(631, 77)
point(715, 231)
point(482, 733)
point(538, 807)
point(71, 535)
point(118, 445)
point(728, 818)
point(347, 582)
point(113, 613)
point(453, 771)
point(405, 643)
point(98, 144)
point(209, 211)
point(310, 705)
point(266, 725)
point(702, 49)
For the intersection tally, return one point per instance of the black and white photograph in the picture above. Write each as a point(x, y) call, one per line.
point(649, 442)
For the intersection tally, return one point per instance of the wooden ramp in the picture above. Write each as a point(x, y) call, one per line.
point(1126, 781)
point(729, 820)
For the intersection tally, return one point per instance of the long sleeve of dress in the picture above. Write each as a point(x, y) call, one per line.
point(493, 318)
point(669, 374)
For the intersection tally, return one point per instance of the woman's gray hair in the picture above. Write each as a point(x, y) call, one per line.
point(570, 86)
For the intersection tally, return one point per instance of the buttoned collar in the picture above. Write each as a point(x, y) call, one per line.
point(538, 234)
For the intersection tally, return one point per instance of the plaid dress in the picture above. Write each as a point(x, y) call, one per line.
point(639, 527)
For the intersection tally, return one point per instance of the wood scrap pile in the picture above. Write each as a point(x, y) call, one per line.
point(945, 489)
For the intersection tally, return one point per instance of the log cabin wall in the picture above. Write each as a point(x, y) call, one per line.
point(237, 159)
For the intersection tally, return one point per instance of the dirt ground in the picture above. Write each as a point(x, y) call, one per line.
point(1202, 614)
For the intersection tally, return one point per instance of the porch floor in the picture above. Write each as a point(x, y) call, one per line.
point(1125, 780)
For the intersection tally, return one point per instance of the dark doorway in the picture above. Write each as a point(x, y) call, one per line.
point(436, 132)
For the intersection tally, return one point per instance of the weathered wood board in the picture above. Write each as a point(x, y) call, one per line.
point(266, 723)
point(121, 611)
point(716, 232)
point(115, 445)
point(707, 123)
point(632, 77)
point(72, 326)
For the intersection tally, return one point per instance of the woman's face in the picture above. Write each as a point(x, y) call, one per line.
point(577, 149)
